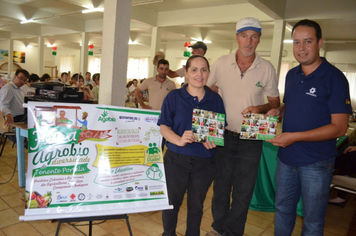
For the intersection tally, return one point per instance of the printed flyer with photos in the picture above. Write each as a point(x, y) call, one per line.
point(258, 126)
point(92, 160)
point(208, 126)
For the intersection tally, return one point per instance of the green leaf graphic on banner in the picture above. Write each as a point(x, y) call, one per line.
point(102, 202)
point(153, 131)
point(130, 110)
point(61, 170)
point(43, 137)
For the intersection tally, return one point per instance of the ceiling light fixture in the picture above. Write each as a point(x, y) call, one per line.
point(132, 42)
point(93, 10)
point(288, 41)
point(26, 21)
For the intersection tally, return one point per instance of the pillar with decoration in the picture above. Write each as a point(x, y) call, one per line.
point(91, 50)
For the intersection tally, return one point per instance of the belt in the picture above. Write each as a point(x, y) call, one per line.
point(232, 133)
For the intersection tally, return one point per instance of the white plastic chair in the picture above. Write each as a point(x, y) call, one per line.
point(344, 183)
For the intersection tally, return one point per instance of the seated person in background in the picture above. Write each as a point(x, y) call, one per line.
point(45, 78)
point(74, 80)
point(64, 78)
point(127, 98)
point(95, 90)
point(12, 98)
point(347, 165)
point(26, 89)
point(86, 89)
point(132, 92)
point(88, 79)
point(96, 77)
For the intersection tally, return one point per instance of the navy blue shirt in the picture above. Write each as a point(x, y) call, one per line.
point(177, 112)
point(309, 102)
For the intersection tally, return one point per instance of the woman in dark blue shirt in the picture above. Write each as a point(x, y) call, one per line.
point(189, 166)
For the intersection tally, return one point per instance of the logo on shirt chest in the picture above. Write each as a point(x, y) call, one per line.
point(311, 92)
point(258, 84)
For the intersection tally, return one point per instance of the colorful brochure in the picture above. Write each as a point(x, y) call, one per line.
point(258, 126)
point(208, 126)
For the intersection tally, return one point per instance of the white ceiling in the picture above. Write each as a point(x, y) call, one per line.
point(61, 21)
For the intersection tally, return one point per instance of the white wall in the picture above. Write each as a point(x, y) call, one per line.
point(31, 55)
point(31, 64)
point(50, 60)
point(334, 54)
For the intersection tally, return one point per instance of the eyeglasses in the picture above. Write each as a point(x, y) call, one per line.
point(22, 78)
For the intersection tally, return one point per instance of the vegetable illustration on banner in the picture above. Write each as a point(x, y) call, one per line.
point(90, 159)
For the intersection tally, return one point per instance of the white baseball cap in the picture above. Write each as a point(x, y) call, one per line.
point(248, 23)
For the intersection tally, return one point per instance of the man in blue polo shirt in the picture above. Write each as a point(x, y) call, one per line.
point(316, 111)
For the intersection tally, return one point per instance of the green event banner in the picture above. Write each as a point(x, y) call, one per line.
point(92, 160)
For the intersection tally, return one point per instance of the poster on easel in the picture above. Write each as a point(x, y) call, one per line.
point(92, 160)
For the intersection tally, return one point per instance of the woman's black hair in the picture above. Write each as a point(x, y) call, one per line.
point(189, 61)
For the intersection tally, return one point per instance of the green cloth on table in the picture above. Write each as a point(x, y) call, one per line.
point(265, 188)
point(340, 140)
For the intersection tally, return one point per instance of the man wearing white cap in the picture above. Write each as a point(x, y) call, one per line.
point(199, 48)
point(243, 79)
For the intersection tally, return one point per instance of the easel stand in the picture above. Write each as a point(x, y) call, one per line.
point(94, 218)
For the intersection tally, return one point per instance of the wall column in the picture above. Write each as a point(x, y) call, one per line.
point(155, 47)
point(277, 45)
point(84, 53)
point(116, 34)
point(40, 60)
point(10, 64)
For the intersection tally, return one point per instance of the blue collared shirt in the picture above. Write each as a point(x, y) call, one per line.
point(177, 112)
point(309, 102)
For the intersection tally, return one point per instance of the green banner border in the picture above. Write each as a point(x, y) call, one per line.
point(130, 111)
point(102, 202)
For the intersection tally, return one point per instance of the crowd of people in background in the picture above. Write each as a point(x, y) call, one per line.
point(88, 85)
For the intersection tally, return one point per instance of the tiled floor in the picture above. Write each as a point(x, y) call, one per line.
point(258, 223)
